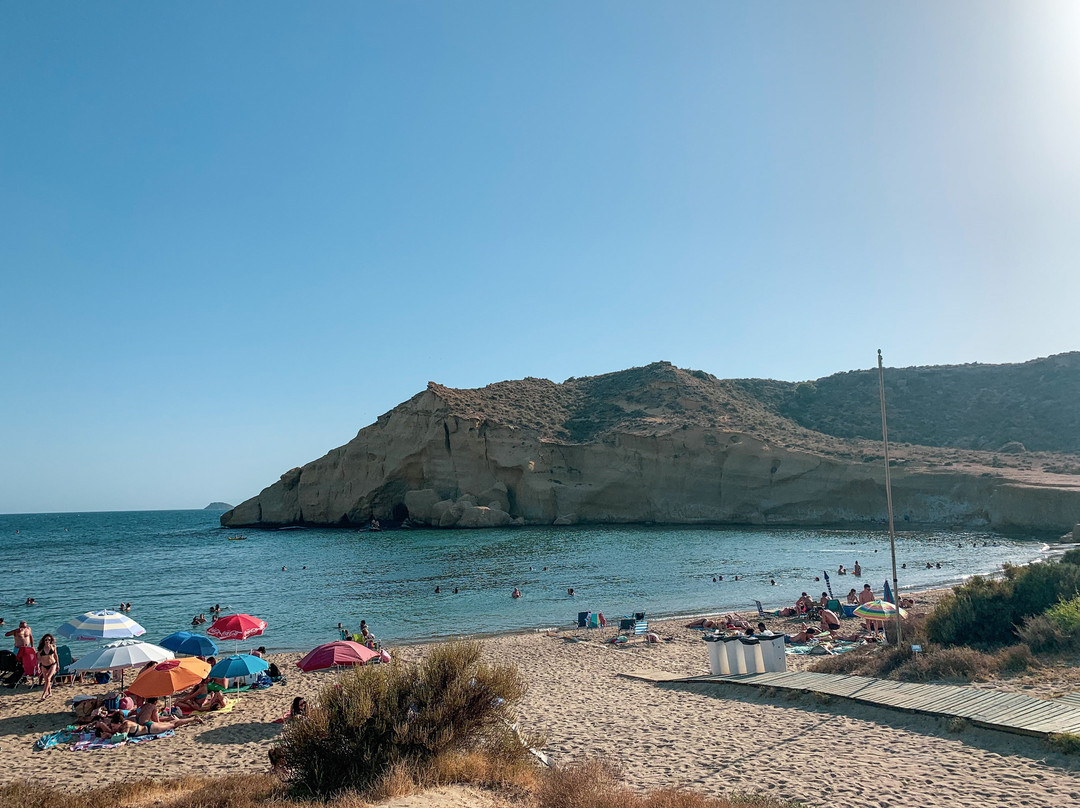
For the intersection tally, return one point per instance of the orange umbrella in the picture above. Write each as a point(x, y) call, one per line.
point(169, 677)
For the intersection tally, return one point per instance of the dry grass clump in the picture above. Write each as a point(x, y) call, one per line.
point(389, 723)
point(1040, 633)
point(1067, 743)
point(597, 784)
point(233, 791)
point(935, 663)
point(593, 784)
point(948, 664)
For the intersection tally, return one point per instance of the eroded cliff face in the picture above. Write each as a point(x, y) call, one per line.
point(442, 460)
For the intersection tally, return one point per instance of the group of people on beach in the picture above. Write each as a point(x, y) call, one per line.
point(363, 636)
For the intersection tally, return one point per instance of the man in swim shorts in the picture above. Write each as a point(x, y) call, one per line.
point(829, 620)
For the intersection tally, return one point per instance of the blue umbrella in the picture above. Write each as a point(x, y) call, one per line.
point(237, 665)
point(185, 642)
point(828, 584)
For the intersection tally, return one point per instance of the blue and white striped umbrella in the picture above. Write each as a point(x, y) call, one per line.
point(101, 625)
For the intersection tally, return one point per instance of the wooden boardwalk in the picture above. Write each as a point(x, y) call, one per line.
point(1011, 712)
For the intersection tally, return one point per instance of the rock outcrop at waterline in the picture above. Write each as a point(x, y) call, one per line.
point(656, 444)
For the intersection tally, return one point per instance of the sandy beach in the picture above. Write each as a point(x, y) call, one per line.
point(715, 739)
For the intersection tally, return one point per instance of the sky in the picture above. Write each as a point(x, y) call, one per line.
point(233, 234)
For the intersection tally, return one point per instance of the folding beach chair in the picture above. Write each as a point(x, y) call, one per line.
point(64, 660)
point(762, 613)
point(626, 625)
point(641, 627)
point(28, 658)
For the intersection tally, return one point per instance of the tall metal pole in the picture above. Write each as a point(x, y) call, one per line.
point(888, 493)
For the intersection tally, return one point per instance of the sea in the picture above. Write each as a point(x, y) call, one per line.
point(173, 565)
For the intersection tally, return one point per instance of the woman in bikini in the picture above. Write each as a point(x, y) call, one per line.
point(48, 663)
point(116, 723)
point(200, 700)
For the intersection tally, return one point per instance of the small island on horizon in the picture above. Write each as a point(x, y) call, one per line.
point(218, 506)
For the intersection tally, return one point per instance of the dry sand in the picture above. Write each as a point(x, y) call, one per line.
point(716, 739)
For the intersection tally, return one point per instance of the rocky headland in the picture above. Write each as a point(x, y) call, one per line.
point(659, 444)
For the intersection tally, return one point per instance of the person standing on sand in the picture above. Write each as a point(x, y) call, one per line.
point(866, 596)
point(48, 664)
point(24, 637)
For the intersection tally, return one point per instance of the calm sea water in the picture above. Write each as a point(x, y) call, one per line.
point(174, 564)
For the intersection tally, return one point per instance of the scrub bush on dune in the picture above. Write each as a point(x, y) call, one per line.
point(379, 719)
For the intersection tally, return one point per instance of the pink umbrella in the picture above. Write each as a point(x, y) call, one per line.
point(236, 627)
point(333, 654)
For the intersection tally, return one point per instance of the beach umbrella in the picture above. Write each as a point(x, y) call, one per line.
point(169, 677)
point(333, 654)
point(101, 625)
point(236, 627)
point(121, 654)
point(237, 665)
point(186, 642)
point(828, 583)
point(878, 610)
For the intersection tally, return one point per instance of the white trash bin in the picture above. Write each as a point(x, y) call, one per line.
point(772, 653)
point(717, 657)
point(751, 652)
point(731, 645)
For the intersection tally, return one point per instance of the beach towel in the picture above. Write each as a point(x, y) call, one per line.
point(56, 738)
point(117, 740)
point(214, 687)
point(228, 708)
point(817, 649)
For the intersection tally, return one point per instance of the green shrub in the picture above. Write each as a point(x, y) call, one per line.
point(390, 718)
point(1040, 586)
point(987, 612)
point(1071, 557)
point(977, 613)
point(1067, 743)
point(1065, 614)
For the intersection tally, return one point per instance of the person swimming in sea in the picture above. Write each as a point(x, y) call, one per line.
point(516, 593)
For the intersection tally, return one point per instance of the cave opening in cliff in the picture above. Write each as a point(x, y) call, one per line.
point(400, 512)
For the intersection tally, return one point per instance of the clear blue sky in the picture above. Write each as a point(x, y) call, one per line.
point(232, 234)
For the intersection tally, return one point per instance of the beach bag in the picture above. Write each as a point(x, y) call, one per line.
point(84, 710)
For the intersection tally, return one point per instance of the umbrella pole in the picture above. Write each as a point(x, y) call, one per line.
point(888, 494)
